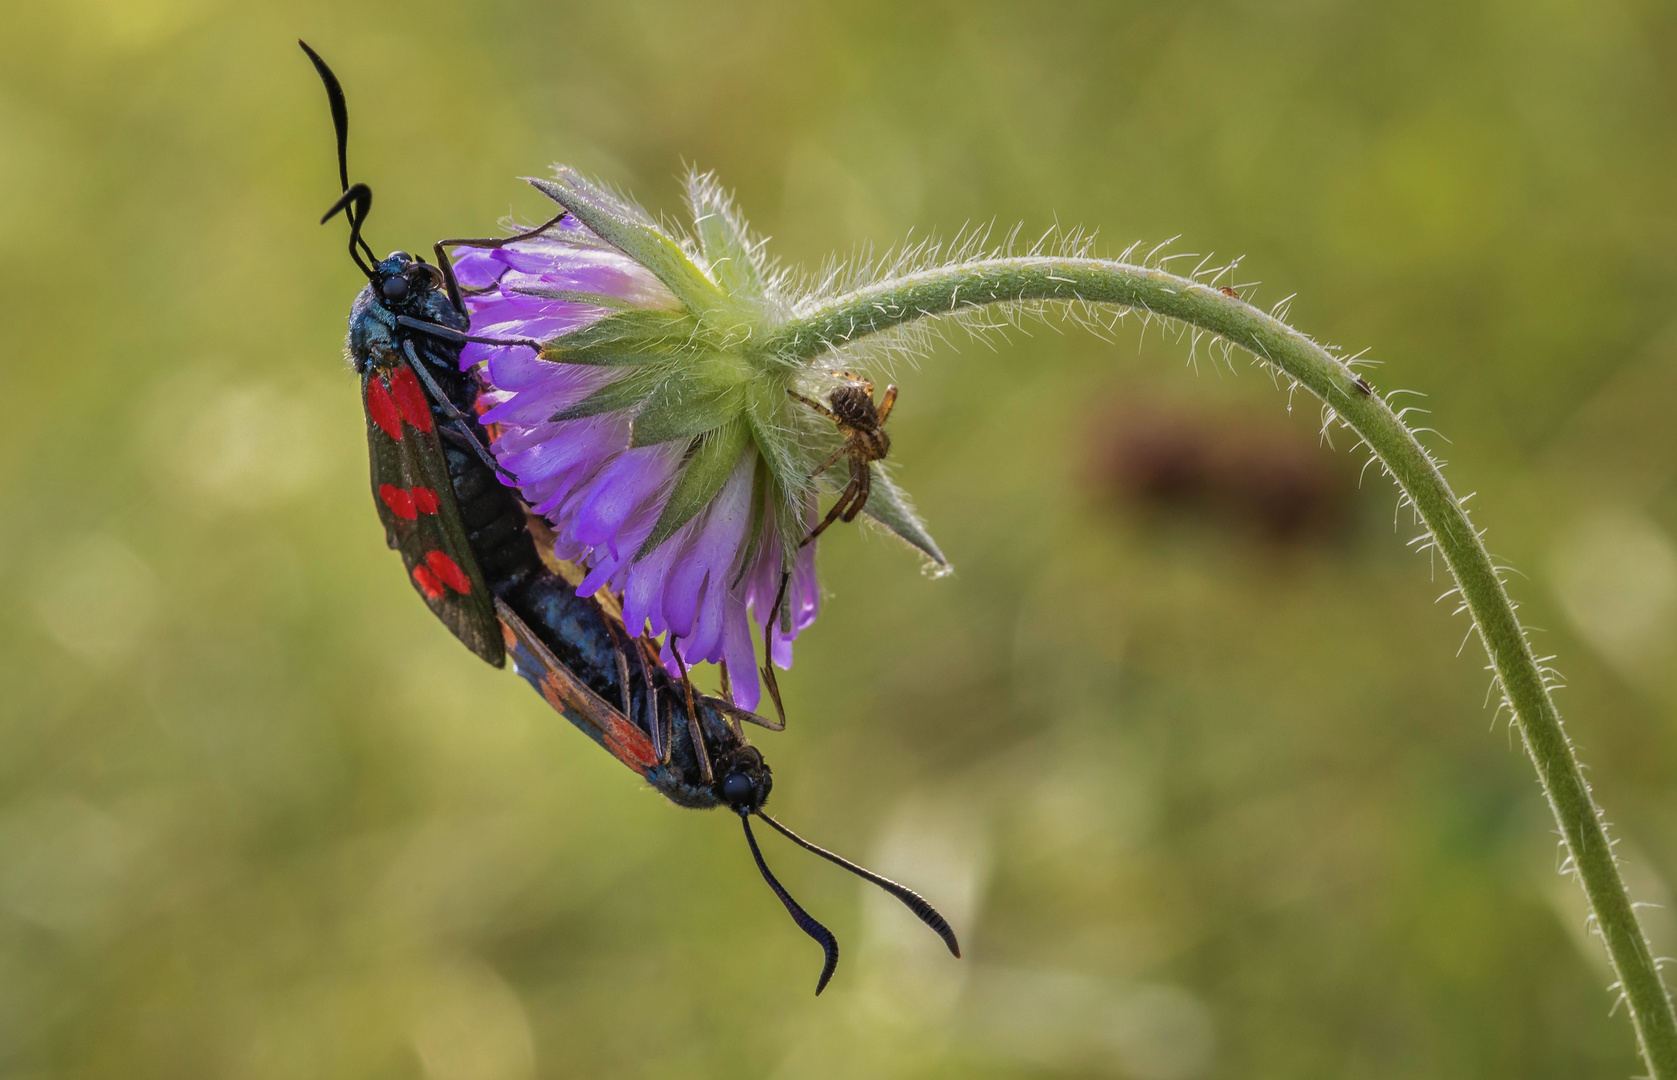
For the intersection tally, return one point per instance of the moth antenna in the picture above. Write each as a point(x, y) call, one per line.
point(916, 903)
point(355, 204)
point(340, 124)
point(806, 922)
point(340, 112)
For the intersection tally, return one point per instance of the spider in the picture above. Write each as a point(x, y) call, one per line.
point(863, 428)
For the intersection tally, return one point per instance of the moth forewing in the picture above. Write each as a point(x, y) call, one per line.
point(415, 499)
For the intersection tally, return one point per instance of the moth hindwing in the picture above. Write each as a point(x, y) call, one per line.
point(573, 698)
point(415, 499)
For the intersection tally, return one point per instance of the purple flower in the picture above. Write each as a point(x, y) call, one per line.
point(604, 496)
point(661, 442)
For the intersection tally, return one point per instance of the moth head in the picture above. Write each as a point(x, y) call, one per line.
point(743, 781)
point(401, 279)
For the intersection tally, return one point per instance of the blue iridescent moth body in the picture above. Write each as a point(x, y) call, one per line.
point(465, 539)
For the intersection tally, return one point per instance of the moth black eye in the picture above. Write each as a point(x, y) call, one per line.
point(394, 288)
point(736, 788)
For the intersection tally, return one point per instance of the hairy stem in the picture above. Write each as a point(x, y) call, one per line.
point(1095, 281)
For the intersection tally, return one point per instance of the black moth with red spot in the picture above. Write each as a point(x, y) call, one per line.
point(415, 494)
point(470, 555)
point(411, 481)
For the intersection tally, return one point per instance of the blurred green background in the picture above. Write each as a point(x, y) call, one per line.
point(1207, 792)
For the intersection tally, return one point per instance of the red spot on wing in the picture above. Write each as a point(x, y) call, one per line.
point(381, 408)
point(449, 572)
point(415, 409)
point(428, 583)
point(628, 743)
point(622, 739)
point(402, 504)
point(425, 500)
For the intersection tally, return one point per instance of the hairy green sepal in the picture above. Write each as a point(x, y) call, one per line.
point(637, 238)
point(889, 505)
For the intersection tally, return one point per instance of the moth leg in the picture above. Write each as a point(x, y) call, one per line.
point(454, 414)
point(664, 741)
point(462, 439)
point(450, 282)
point(623, 678)
point(694, 735)
point(622, 659)
point(886, 402)
point(448, 333)
point(862, 477)
point(654, 723)
point(736, 715)
point(728, 696)
point(441, 249)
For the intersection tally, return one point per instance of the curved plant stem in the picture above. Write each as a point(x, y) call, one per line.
point(1094, 281)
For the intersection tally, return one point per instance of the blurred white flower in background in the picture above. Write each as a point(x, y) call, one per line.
point(1615, 573)
point(96, 598)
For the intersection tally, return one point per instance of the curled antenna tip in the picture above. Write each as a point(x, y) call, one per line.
point(912, 900)
point(806, 923)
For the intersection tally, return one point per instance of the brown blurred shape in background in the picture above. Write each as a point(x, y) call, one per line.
point(1234, 470)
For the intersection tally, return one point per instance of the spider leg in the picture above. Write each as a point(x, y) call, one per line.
point(816, 405)
point(767, 669)
point(840, 452)
point(885, 404)
point(861, 478)
point(844, 498)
